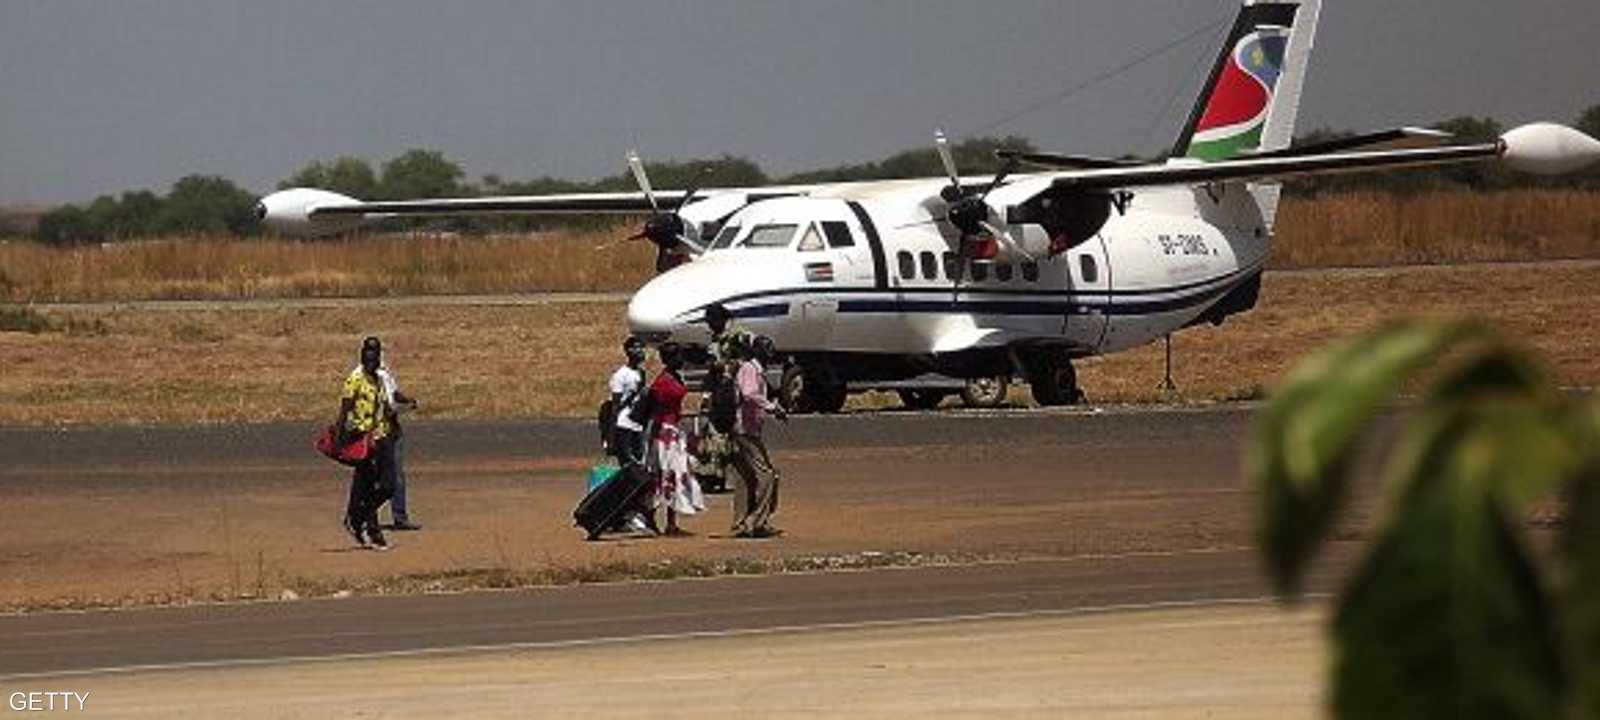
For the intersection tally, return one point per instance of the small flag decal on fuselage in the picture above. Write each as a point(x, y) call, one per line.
point(819, 272)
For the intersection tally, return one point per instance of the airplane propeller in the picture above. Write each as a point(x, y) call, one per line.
point(969, 212)
point(666, 229)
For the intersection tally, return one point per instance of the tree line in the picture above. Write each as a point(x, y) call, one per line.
point(212, 205)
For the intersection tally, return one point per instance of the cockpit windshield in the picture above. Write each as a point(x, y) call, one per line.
point(769, 236)
point(725, 238)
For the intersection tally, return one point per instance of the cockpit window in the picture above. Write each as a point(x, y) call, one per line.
point(811, 241)
point(725, 238)
point(838, 234)
point(769, 236)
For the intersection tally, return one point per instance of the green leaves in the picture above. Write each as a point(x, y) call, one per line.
point(1581, 584)
point(1449, 615)
point(1306, 435)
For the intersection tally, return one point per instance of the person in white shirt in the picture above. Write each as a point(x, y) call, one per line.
point(627, 386)
point(397, 402)
point(627, 439)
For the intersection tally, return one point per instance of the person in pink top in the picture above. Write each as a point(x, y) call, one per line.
point(756, 497)
point(676, 487)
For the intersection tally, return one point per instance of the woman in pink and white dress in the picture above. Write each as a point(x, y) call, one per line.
point(676, 488)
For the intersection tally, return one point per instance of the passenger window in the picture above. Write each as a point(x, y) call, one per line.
point(770, 236)
point(1030, 271)
point(980, 271)
point(930, 266)
point(952, 266)
point(908, 265)
point(1091, 272)
point(1002, 272)
point(725, 238)
point(812, 240)
point(838, 234)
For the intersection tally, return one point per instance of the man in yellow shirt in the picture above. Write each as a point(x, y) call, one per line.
point(363, 411)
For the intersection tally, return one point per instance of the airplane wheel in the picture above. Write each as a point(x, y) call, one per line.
point(921, 399)
point(1055, 384)
point(988, 392)
point(801, 392)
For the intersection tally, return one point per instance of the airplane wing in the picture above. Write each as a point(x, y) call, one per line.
point(1538, 148)
point(1198, 172)
point(1404, 138)
point(1395, 139)
point(310, 212)
point(620, 202)
point(1064, 162)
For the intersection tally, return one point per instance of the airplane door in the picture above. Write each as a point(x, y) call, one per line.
point(1089, 279)
point(827, 255)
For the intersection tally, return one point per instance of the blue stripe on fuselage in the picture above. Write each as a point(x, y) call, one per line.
point(1002, 301)
point(977, 301)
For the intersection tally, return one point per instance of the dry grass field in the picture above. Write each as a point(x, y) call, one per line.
point(192, 268)
point(1445, 227)
point(119, 365)
point(1353, 229)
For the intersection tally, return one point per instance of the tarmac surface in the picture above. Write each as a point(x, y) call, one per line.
point(59, 644)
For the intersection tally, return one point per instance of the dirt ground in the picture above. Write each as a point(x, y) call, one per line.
point(124, 365)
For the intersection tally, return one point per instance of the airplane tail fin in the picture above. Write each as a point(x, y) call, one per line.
point(1250, 100)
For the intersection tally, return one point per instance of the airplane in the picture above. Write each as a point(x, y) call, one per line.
point(1019, 273)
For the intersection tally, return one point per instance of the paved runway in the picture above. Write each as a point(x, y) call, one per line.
point(57, 644)
point(1210, 436)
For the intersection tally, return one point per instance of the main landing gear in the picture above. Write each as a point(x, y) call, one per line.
point(801, 391)
point(1053, 380)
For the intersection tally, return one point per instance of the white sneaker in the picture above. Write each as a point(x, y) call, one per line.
point(636, 524)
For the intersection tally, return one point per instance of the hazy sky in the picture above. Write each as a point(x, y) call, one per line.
point(103, 96)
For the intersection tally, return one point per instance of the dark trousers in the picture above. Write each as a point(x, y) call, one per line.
point(397, 504)
point(627, 446)
point(371, 485)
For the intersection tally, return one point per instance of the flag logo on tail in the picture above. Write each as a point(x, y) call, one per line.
point(1237, 109)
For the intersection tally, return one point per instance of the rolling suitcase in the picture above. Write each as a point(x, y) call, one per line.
point(604, 505)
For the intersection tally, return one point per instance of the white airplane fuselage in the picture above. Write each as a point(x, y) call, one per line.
point(1171, 257)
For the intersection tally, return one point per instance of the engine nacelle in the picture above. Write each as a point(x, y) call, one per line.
point(290, 212)
point(1549, 149)
point(1044, 220)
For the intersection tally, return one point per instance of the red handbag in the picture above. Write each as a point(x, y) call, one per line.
point(351, 453)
